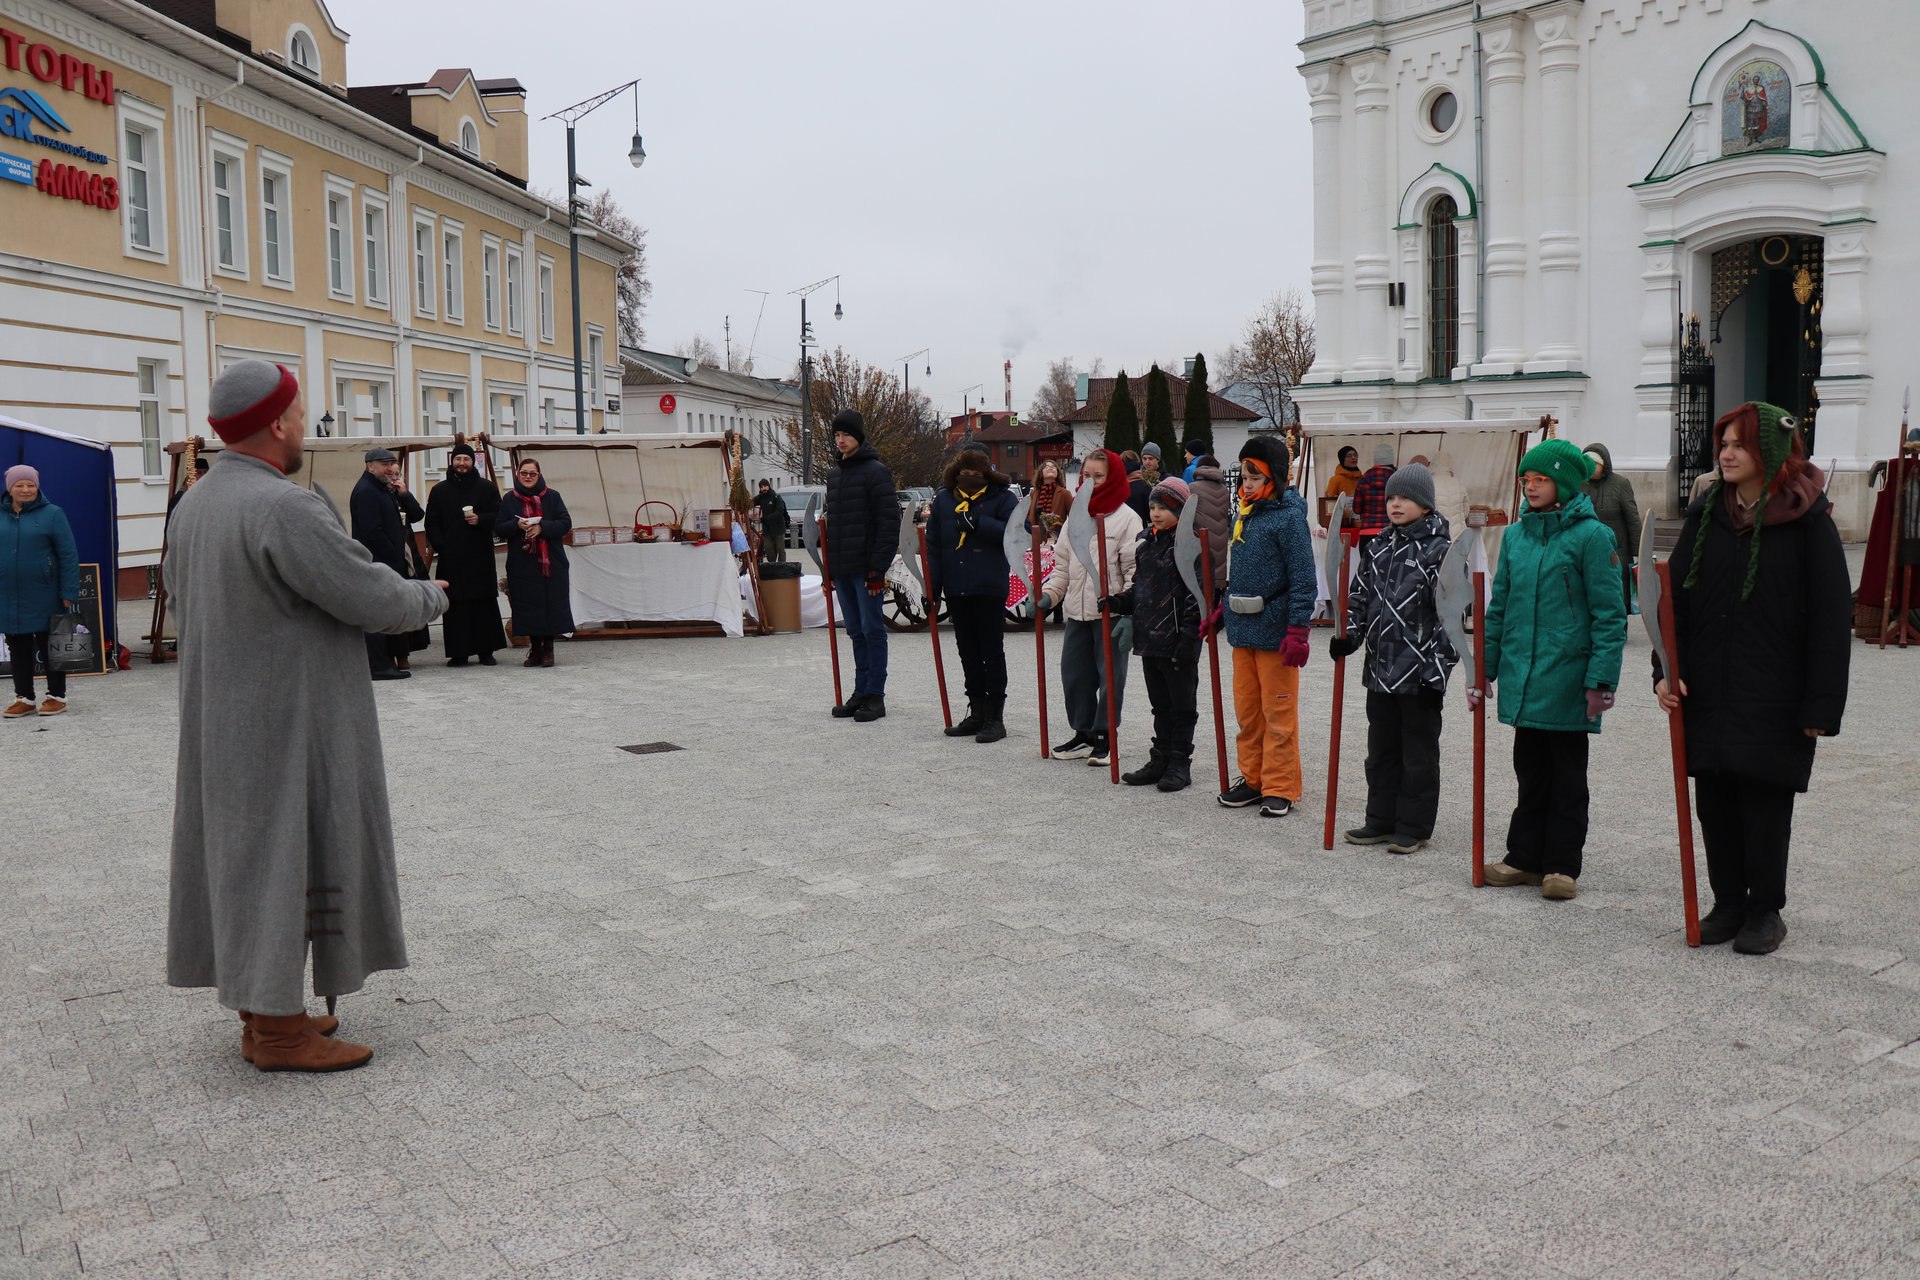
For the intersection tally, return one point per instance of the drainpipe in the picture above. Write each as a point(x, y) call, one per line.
point(1480, 183)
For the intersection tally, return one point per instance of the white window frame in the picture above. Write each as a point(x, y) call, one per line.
point(340, 237)
point(375, 247)
point(150, 122)
point(424, 250)
point(596, 357)
point(377, 412)
point(518, 399)
point(231, 152)
point(516, 290)
point(467, 126)
point(294, 36)
point(278, 212)
point(545, 276)
point(343, 416)
point(451, 389)
point(490, 282)
point(150, 384)
point(453, 270)
point(549, 415)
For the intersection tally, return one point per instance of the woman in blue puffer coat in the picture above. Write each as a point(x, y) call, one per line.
point(39, 577)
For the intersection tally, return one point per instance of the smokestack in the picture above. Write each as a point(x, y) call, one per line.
point(1009, 372)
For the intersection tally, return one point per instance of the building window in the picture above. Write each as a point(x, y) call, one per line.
point(1443, 112)
point(490, 284)
point(546, 299)
point(276, 225)
point(469, 138)
point(340, 242)
point(506, 412)
point(596, 358)
point(549, 415)
point(377, 408)
point(229, 228)
point(1013, 450)
point(1443, 288)
point(516, 293)
point(423, 264)
point(153, 377)
point(453, 267)
point(303, 55)
point(373, 227)
point(443, 411)
point(143, 179)
point(343, 406)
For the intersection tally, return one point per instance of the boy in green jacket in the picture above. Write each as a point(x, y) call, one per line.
point(1555, 631)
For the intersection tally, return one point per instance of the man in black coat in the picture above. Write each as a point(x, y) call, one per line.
point(460, 513)
point(863, 535)
point(379, 498)
point(774, 520)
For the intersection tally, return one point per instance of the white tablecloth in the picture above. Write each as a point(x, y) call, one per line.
point(656, 582)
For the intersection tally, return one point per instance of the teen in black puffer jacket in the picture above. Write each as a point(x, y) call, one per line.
point(1166, 637)
point(863, 536)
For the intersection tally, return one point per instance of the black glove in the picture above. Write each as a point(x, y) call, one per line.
point(1120, 604)
point(1341, 646)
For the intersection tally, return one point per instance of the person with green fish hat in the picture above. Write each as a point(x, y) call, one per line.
point(1762, 611)
point(1555, 630)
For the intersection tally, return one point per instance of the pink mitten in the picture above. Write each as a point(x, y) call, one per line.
point(1293, 649)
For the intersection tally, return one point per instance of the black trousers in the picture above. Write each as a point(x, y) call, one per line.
point(1403, 761)
point(1747, 825)
point(1173, 689)
point(980, 633)
point(471, 628)
point(1548, 833)
point(23, 651)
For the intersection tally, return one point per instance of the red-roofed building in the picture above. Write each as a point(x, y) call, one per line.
point(1014, 449)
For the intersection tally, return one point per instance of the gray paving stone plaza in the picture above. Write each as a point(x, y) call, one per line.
point(813, 999)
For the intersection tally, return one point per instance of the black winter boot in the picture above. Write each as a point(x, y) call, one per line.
point(848, 707)
point(873, 707)
point(969, 725)
point(993, 727)
point(1179, 774)
point(1149, 773)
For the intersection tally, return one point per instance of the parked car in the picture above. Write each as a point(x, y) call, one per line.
point(796, 499)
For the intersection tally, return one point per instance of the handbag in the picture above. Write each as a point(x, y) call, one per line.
point(71, 648)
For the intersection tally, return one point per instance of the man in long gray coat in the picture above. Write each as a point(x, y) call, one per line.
point(281, 835)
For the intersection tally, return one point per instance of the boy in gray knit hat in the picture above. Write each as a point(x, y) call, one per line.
point(1391, 609)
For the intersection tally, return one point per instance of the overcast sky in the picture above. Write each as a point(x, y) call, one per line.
point(990, 179)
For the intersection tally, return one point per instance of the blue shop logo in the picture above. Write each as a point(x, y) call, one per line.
point(23, 112)
point(16, 169)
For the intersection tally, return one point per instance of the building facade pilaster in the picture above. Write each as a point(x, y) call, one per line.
point(1501, 203)
point(1328, 272)
point(1372, 261)
point(1558, 42)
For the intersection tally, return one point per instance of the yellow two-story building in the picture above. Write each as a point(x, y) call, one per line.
point(187, 183)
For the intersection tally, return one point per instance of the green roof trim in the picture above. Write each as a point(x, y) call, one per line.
point(1473, 198)
point(1819, 67)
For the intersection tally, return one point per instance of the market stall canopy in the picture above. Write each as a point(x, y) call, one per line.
point(605, 477)
point(1474, 463)
point(336, 463)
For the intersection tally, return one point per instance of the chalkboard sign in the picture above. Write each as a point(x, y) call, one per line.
point(88, 607)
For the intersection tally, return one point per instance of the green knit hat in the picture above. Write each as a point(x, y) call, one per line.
point(1560, 461)
point(1773, 429)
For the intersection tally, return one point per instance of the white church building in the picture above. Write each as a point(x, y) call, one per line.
point(1630, 214)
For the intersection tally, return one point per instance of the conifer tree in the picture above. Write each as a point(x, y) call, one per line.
point(1160, 419)
point(1199, 423)
point(1123, 419)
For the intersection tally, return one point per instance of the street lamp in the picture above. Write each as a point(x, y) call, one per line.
point(806, 370)
point(636, 156)
point(326, 424)
point(906, 368)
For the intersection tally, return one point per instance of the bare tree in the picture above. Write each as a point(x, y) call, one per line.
point(701, 349)
point(1056, 397)
point(904, 429)
point(1274, 354)
point(631, 286)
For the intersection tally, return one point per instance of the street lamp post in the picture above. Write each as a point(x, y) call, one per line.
point(806, 370)
point(636, 156)
point(906, 368)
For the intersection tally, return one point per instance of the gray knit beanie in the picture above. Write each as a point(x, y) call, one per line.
point(248, 397)
point(1413, 482)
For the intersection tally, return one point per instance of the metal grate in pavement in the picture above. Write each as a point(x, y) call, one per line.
point(652, 748)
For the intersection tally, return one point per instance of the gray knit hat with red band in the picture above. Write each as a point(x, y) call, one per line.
point(248, 397)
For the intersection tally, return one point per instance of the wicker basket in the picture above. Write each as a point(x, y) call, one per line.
point(651, 528)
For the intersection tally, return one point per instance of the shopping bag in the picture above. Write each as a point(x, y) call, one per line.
point(71, 648)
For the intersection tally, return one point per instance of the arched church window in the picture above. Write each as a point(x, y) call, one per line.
point(1443, 288)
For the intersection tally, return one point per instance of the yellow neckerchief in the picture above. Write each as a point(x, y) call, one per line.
point(962, 501)
point(1246, 505)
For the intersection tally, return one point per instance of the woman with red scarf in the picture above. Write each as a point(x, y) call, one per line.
point(534, 522)
point(1082, 654)
point(1051, 500)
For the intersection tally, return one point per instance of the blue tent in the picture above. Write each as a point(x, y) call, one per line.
point(76, 475)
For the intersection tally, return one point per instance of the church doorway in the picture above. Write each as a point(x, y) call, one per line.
point(1766, 324)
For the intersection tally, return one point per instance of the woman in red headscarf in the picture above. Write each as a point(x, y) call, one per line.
point(535, 523)
point(1083, 670)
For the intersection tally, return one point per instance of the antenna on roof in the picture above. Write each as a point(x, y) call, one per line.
point(748, 366)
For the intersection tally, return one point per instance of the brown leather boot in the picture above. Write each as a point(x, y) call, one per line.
point(293, 1044)
point(325, 1024)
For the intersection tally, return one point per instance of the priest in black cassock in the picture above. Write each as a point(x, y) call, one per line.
point(460, 514)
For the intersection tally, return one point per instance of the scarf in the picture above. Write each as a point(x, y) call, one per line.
point(532, 542)
point(1255, 470)
point(962, 503)
point(1043, 496)
point(1113, 491)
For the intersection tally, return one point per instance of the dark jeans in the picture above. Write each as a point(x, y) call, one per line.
point(1747, 826)
point(23, 651)
point(1548, 833)
point(1083, 678)
point(980, 633)
point(867, 629)
point(1403, 761)
point(1173, 688)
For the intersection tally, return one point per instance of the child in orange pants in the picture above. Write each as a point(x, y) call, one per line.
point(1269, 602)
